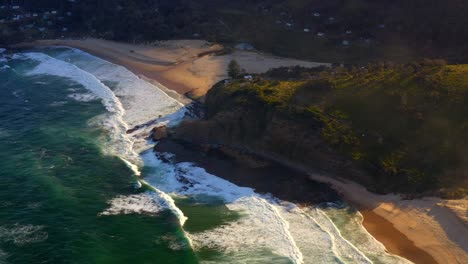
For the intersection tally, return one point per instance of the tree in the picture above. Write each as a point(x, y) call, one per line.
point(234, 69)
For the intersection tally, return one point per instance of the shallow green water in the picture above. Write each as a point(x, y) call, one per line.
point(69, 191)
point(55, 180)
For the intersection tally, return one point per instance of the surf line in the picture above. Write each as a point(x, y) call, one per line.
point(51, 66)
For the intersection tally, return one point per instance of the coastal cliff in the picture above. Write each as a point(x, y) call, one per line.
point(379, 125)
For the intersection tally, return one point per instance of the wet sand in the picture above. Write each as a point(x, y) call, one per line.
point(288, 184)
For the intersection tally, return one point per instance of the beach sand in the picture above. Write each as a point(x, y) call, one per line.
point(188, 67)
point(422, 230)
point(425, 231)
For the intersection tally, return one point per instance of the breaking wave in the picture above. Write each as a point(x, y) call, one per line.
point(279, 228)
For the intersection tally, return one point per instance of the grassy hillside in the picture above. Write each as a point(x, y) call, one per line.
point(392, 127)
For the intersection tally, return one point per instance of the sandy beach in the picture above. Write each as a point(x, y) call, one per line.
point(425, 231)
point(188, 67)
point(435, 226)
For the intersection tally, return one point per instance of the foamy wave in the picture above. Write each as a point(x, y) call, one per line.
point(351, 228)
point(142, 100)
point(121, 144)
point(4, 67)
point(304, 235)
point(51, 66)
point(83, 97)
point(261, 226)
point(134, 204)
point(174, 242)
point(22, 234)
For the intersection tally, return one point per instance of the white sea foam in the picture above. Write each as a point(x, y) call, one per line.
point(305, 235)
point(2, 50)
point(4, 67)
point(121, 144)
point(302, 235)
point(83, 97)
point(22, 234)
point(142, 100)
point(261, 227)
point(145, 203)
point(349, 222)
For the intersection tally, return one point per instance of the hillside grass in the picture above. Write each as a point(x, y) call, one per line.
point(405, 124)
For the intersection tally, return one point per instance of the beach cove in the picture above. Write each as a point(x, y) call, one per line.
point(178, 67)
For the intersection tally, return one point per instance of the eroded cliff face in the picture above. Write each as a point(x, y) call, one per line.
point(244, 121)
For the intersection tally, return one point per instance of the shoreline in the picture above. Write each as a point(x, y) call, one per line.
point(387, 218)
point(427, 224)
point(383, 229)
point(188, 67)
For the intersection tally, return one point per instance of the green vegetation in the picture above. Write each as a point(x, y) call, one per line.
point(234, 69)
point(343, 31)
point(406, 126)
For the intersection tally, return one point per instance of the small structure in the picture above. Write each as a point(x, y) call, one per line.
point(244, 46)
point(64, 29)
point(289, 25)
point(306, 30)
point(53, 12)
point(320, 34)
point(34, 14)
point(248, 77)
point(345, 42)
point(316, 14)
point(349, 32)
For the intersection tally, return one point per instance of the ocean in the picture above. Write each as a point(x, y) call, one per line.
point(75, 187)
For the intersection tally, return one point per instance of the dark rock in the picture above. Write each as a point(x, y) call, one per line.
point(159, 133)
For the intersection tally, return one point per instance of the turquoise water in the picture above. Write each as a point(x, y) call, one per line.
point(76, 188)
point(55, 180)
